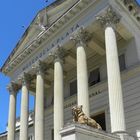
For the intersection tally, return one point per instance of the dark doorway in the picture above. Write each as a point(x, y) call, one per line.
point(100, 118)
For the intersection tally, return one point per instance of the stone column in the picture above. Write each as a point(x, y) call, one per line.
point(12, 112)
point(39, 103)
point(58, 93)
point(80, 38)
point(110, 19)
point(24, 108)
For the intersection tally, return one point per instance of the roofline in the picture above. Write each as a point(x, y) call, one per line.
point(18, 44)
point(26, 31)
point(50, 6)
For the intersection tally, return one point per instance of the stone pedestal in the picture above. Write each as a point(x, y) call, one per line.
point(83, 132)
point(125, 136)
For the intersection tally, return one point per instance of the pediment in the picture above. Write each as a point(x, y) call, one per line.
point(43, 20)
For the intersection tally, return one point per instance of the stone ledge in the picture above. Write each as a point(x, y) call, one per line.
point(82, 132)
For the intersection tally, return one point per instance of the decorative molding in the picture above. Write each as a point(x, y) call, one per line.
point(109, 18)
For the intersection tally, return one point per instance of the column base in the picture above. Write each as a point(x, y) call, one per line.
point(82, 132)
point(124, 135)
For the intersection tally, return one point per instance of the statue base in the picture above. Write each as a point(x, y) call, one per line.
point(82, 132)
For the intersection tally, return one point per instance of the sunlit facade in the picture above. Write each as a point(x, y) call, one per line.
point(84, 52)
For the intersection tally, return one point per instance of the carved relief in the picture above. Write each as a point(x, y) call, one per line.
point(80, 117)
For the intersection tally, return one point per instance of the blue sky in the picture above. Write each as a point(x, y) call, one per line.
point(14, 14)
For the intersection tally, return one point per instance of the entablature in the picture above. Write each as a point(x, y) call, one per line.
point(59, 33)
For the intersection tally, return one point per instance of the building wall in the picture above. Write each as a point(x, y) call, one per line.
point(99, 103)
point(131, 90)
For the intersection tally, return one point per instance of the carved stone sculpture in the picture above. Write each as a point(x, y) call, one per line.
point(80, 117)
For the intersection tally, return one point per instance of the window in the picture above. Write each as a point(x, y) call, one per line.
point(73, 87)
point(100, 118)
point(94, 77)
point(122, 62)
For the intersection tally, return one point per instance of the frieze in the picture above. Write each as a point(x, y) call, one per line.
point(50, 47)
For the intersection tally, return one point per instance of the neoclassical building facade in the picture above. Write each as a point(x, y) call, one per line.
point(84, 52)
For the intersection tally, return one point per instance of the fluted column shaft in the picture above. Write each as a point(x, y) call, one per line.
point(39, 105)
point(24, 111)
point(114, 82)
point(82, 78)
point(110, 20)
point(58, 98)
point(82, 74)
point(12, 114)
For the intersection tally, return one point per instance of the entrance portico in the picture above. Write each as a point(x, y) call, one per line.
point(87, 47)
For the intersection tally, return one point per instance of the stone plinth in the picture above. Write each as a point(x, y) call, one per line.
point(83, 132)
point(125, 136)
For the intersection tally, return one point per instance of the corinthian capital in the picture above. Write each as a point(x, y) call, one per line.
point(25, 79)
point(40, 67)
point(80, 36)
point(110, 17)
point(12, 88)
point(58, 53)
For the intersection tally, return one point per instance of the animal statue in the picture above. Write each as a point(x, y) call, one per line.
point(80, 117)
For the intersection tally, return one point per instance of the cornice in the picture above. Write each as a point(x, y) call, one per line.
point(70, 13)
